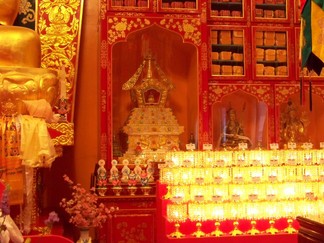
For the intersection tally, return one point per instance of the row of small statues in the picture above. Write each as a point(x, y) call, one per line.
point(125, 175)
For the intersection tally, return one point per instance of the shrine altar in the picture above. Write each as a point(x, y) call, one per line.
point(165, 228)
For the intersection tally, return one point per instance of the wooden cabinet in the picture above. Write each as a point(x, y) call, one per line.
point(135, 221)
point(310, 231)
point(233, 10)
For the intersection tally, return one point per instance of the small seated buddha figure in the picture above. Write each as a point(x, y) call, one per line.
point(234, 134)
point(21, 77)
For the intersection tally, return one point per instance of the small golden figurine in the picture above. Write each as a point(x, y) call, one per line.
point(292, 126)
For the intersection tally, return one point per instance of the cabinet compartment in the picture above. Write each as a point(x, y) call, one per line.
point(271, 52)
point(230, 9)
point(227, 52)
point(130, 5)
point(178, 5)
point(270, 10)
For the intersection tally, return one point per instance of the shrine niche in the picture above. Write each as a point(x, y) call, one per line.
point(240, 116)
point(309, 116)
point(178, 62)
point(152, 129)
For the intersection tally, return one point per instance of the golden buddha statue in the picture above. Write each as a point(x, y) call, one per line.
point(21, 77)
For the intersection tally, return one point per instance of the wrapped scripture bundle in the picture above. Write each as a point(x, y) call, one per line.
point(237, 57)
point(269, 71)
point(215, 69)
point(281, 55)
point(270, 55)
point(268, 13)
point(259, 54)
point(225, 55)
point(215, 56)
point(226, 70)
point(280, 13)
point(281, 71)
point(259, 13)
point(225, 37)
point(237, 70)
point(280, 38)
point(259, 69)
point(237, 37)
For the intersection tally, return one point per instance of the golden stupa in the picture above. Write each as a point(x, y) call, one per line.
point(152, 128)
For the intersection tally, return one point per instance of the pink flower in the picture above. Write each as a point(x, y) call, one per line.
point(83, 207)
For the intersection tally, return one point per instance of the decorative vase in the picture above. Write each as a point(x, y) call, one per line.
point(146, 190)
point(117, 190)
point(84, 235)
point(132, 190)
point(102, 191)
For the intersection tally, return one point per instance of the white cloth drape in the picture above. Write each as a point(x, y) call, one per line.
point(37, 148)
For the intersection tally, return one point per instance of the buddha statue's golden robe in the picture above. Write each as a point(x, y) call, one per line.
point(21, 77)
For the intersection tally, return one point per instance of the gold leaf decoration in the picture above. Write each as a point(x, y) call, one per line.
point(189, 28)
point(118, 28)
point(67, 133)
point(59, 27)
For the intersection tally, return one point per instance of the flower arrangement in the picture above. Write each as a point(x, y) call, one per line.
point(52, 218)
point(49, 222)
point(83, 207)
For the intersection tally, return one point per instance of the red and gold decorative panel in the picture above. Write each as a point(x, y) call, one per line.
point(59, 26)
point(134, 221)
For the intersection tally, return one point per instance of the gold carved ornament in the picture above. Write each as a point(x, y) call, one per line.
point(262, 92)
point(66, 133)
point(120, 27)
point(284, 91)
point(59, 27)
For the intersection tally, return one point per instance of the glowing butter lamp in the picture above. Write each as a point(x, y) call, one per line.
point(307, 175)
point(197, 213)
point(253, 212)
point(238, 178)
point(309, 194)
point(271, 210)
point(217, 214)
point(177, 213)
point(272, 176)
point(256, 176)
point(235, 213)
point(218, 179)
point(289, 209)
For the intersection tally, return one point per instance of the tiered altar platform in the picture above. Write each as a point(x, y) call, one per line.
point(165, 228)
